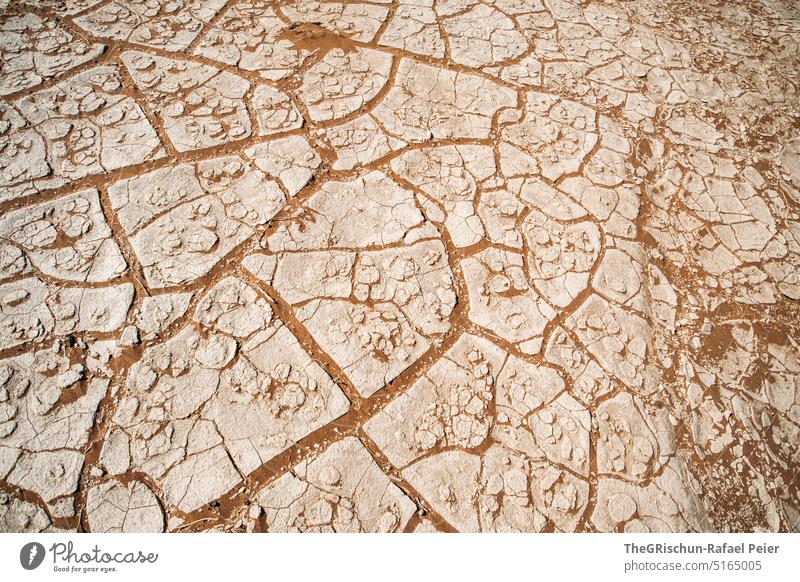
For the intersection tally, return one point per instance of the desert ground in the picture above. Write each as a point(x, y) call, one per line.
point(399, 265)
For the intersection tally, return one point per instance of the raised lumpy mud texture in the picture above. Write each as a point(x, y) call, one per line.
point(399, 266)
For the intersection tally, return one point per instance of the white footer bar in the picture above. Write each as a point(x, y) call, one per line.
point(407, 558)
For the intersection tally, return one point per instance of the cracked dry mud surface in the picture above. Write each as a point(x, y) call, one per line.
point(399, 265)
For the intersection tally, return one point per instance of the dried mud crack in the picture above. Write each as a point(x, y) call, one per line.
point(399, 265)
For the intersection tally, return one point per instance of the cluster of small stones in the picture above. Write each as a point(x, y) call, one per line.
point(399, 265)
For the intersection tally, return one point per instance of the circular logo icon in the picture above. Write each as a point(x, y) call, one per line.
point(31, 555)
